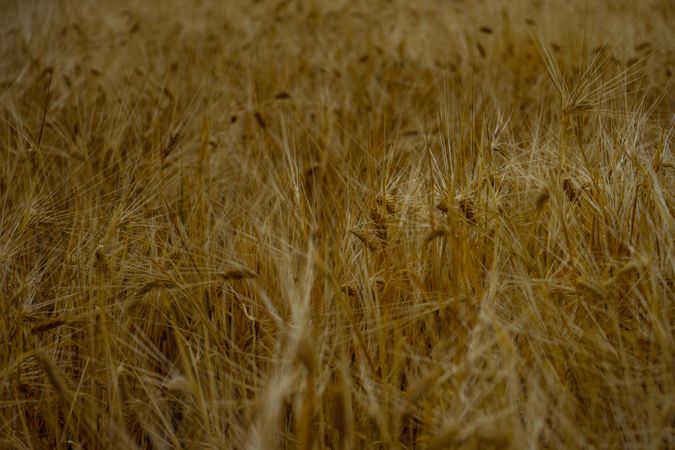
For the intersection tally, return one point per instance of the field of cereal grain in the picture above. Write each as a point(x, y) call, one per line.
point(315, 224)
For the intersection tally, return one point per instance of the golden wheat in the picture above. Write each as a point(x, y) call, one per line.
point(337, 224)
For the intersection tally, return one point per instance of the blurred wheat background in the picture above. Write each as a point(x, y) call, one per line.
point(337, 224)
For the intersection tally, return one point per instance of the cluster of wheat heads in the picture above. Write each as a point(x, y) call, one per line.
point(338, 224)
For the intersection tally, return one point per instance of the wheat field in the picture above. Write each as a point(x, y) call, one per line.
point(337, 224)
